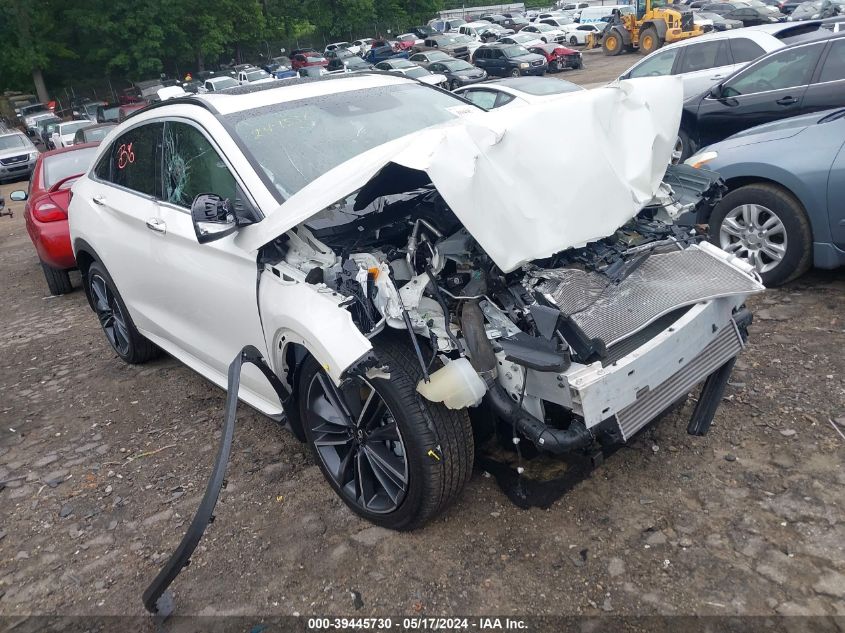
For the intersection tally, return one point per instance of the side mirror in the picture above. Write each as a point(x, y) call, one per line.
point(18, 195)
point(716, 92)
point(213, 217)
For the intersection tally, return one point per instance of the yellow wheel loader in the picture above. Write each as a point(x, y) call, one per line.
point(655, 23)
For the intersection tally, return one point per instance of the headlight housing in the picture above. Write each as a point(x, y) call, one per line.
point(33, 155)
point(701, 159)
point(524, 65)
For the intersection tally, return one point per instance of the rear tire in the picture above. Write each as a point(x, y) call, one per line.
point(612, 44)
point(117, 325)
point(430, 448)
point(58, 281)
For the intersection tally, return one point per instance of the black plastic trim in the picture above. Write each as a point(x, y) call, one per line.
point(155, 600)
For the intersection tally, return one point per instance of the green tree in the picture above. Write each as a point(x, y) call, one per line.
point(28, 42)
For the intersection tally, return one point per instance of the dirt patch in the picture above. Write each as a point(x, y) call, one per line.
point(103, 465)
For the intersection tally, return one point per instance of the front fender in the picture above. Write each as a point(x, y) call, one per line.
point(294, 311)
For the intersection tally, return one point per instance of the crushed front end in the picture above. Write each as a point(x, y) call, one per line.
point(591, 343)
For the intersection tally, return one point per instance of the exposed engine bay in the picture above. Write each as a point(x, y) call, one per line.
point(541, 342)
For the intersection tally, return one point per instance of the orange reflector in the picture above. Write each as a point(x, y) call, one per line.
point(374, 272)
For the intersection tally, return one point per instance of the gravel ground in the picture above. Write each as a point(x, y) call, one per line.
point(103, 465)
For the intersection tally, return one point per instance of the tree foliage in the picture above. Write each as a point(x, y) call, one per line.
point(82, 43)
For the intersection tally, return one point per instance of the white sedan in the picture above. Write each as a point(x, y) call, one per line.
point(522, 39)
point(578, 33)
point(546, 32)
point(515, 91)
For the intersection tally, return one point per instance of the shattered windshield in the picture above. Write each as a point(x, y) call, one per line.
point(296, 142)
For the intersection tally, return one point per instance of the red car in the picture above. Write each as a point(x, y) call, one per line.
point(301, 60)
point(46, 210)
point(559, 57)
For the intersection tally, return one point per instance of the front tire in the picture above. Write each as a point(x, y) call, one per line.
point(394, 458)
point(650, 41)
point(612, 44)
point(684, 147)
point(515, 73)
point(767, 227)
point(117, 325)
point(58, 281)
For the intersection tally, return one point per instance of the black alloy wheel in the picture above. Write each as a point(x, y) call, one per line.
point(114, 318)
point(110, 314)
point(358, 440)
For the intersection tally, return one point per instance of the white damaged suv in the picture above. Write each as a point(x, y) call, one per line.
point(397, 260)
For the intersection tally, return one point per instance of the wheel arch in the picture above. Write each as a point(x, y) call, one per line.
point(85, 256)
point(624, 33)
point(657, 25)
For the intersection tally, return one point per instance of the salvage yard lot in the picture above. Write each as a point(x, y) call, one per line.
point(103, 465)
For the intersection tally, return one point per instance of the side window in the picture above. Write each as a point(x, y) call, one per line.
point(787, 69)
point(135, 159)
point(192, 167)
point(834, 65)
point(437, 68)
point(745, 50)
point(660, 64)
point(703, 56)
point(483, 98)
point(103, 168)
point(503, 99)
point(383, 66)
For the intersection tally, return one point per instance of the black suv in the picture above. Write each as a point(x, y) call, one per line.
point(509, 60)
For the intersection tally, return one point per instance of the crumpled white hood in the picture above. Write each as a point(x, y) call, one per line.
point(525, 182)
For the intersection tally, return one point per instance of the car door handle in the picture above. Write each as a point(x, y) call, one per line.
point(100, 200)
point(154, 224)
point(786, 101)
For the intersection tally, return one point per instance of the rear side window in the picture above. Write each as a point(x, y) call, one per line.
point(503, 99)
point(135, 158)
point(834, 65)
point(103, 168)
point(704, 56)
point(745, 50)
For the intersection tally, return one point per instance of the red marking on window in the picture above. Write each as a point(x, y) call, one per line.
point(125, 155)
